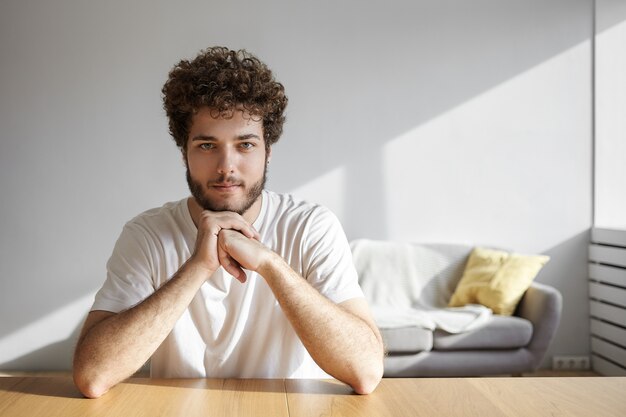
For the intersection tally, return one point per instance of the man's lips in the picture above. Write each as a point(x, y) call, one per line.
point(225, 186)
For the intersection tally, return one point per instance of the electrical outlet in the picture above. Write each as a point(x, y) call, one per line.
point(570, 363)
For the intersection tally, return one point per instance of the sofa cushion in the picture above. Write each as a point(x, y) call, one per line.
point(407, 339)
point(501, 332)
point(496, 279)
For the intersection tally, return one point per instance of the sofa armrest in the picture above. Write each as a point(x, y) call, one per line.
point(542, 306)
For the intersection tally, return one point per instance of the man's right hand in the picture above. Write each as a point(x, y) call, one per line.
point(210, 224)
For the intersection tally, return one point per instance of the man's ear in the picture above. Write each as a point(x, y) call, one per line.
point(183, 155)
point(269, 155)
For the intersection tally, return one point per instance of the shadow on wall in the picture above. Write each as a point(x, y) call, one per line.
point(568, 271)
point(53, 357)
point(609, 13)
point(48, 342)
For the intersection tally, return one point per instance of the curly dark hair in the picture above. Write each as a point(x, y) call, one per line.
point(224, 80)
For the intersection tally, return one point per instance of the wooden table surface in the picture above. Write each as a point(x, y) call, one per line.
point(57, 396)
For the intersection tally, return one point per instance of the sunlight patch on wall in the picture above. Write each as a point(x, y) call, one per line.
point(54, 327)
point(502, 167)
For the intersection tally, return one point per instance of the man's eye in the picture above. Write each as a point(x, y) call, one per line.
point(207, 146)
point(247, 145)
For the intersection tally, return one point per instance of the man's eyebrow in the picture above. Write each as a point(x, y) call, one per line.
point(246, 136)
point(203, 137)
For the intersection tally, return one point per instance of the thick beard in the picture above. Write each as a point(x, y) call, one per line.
point(252, 195)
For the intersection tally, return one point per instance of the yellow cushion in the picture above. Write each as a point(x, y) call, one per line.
point(496, 279)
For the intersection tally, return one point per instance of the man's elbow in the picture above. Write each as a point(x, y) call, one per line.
point(88, 386)
point(366, 385)
point(367, 382)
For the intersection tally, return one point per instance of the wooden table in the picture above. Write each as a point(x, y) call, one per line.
point(57, 396)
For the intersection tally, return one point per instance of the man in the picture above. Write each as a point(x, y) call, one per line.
point(235, 281)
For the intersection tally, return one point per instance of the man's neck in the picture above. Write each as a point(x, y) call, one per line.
point(195, 210)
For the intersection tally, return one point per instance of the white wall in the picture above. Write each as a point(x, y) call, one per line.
point(427, 120)
point(610, 95)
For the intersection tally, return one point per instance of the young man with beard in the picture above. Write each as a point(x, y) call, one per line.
point(234, 281)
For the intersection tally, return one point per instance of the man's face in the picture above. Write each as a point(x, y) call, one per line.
point(226, 160)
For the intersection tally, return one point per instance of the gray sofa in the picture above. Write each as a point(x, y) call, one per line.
point(504, 345)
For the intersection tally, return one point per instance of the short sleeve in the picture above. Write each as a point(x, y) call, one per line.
point(129, 273)
point(328, 265)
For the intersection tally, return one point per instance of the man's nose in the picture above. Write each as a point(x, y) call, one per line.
point(226, 163)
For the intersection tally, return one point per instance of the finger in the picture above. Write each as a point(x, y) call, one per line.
point(234, 269)
point(241, 276)
point(224, 258)
point(230, 265)
point(229, 220)
point(244, 228)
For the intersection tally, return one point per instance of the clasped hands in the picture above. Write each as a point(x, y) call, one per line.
point(225, 238)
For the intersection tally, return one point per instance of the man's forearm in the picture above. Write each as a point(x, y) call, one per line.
point(341, 343)
point(113, 349)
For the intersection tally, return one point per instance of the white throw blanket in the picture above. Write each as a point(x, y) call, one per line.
point(411, 284)
point(450, 319)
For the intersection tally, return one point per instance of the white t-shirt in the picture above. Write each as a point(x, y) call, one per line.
point(230, 329)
